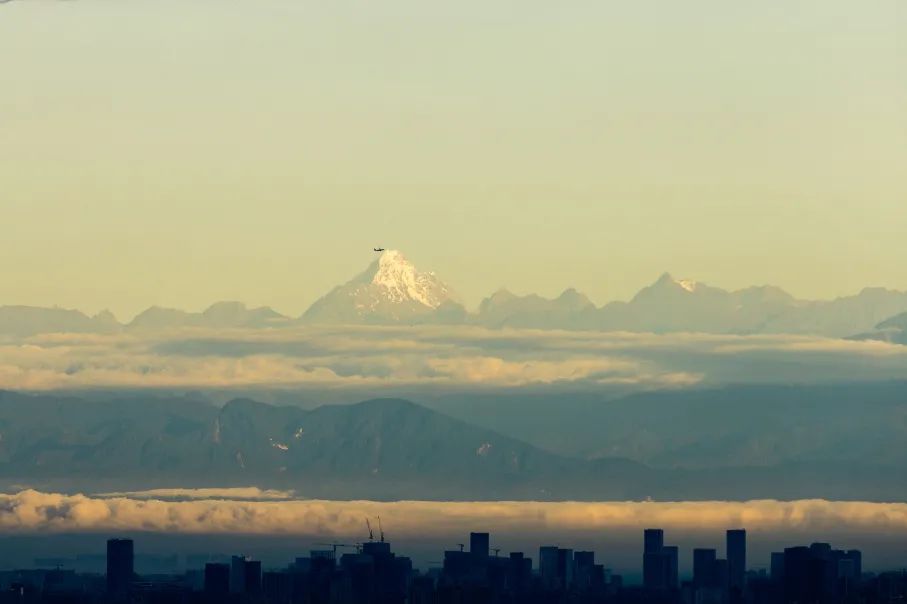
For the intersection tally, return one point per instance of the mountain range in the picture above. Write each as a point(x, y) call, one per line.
point(395, 449)
point(393, 291)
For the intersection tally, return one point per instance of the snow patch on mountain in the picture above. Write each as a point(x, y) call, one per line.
point(686, 284)
point(401, 281)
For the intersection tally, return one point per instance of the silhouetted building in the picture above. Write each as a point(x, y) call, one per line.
point(478, 544)
point(736, 559)
point(817, 574)
point(252, 578)
point(704, 567)
point(217, 579)
point(654, 563)
point(120, 561)
point(519, 577)
point(457, 565)
point(720, 574)
point(583, 571)
point(659, 562)
point(653, 540)
point(245, 575)
point(672, 556)
point(277, 587)
point(777, 566)
point(548, 565)
point(238, 574)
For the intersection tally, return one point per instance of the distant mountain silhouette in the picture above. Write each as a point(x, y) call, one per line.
point(378, 448)
point(393, 449)
point(392, 291)
point(569, 310)
point(675, 305)
point(732, 426)
point(25, 321)
point(219, 315)
point(892, 330)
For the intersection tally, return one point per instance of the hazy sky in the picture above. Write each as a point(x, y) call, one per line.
point(179, 152)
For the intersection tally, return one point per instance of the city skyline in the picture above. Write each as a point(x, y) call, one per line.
point(473, 571)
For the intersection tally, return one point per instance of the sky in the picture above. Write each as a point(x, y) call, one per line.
point(182, 152)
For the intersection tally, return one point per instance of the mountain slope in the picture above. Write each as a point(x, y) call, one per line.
point(504, 309)
point(840, 317)
point(892, 330)
point(393, 449)
point(863, 423)
point(220, 315)
point(390, 290)
point(383, 448)
point(23, 321)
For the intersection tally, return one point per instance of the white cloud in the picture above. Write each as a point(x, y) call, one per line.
point(374, 357)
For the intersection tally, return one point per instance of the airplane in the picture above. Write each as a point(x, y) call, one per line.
point(379, 249)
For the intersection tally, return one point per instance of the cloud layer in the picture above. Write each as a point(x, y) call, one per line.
point(33, 511)
point(375, 357)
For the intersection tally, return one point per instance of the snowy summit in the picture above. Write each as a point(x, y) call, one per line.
point(399, 278)
point(390, 289)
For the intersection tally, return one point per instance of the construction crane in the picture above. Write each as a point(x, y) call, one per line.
point(334, 547)
point(380, 530)
point(371, 535)
point(462, 545)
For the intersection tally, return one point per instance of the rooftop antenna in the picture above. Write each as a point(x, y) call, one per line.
point(371, 535)
point(461, 546)
point(380, 530)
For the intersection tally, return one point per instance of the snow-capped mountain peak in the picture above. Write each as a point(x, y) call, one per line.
point(401, 281)
point(390, 290)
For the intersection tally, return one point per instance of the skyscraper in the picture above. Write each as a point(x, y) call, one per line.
point(659, 561)
point(777, 566)
point(704, 567)
point(671, 556)
point(217, 579)
point(654, 563)
point(478, 545)
point(238, 574)
point(252, 576)
point(736, 559)
point(120, 560)
point(548, 565)
point(653, 540)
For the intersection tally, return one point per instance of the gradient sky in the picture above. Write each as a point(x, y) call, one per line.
point(180, 152)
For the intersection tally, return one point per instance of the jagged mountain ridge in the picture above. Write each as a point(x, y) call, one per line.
point(378, 448)
point(22, 321)
point(219, 315)
point(393, 291)
point(381, 449)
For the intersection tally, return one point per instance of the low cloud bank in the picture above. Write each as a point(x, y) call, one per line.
point(436, 357)
point(31, 511)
